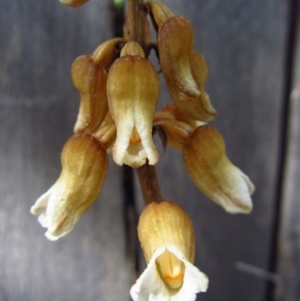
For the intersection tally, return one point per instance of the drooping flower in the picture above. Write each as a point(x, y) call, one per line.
point(84, 165)
point(167, 238)
point(89, 75)
point(184, 69)
point(133, 91)
point(213, 173)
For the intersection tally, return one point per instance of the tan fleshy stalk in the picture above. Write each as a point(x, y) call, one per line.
point(175, 43)
point(73, 3)
point(89, 78)
point(133, 91)
point(147, 33)
point(212, 172)
point(84, 165)
point(168, 242)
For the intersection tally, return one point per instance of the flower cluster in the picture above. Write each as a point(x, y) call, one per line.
point(119, 89)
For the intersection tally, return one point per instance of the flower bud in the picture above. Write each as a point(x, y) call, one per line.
point(73, 3)
point(167, 238)
point(212, 172)
point(133, 91)
point(89, 78)
point(84, 165)
point(175, 43)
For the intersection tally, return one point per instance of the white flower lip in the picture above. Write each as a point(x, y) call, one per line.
point(51, 215)
point(150, 286)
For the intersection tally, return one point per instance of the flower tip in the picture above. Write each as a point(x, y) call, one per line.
point(51, 237)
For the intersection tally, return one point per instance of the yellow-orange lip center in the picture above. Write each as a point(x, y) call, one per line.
point(135, 137)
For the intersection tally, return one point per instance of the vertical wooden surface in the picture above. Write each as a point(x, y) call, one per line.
point(38, 108)
point(244, 45)
point(288, 261)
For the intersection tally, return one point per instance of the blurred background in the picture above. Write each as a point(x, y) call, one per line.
point(252, 49)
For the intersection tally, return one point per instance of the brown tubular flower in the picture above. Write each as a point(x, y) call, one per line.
point(89, 75)
point(185, 70)
point(175, 43)
point(212, 172)
point(133, 91)
point(84, 165)
point(73, 3)
point(167, 238)
point(89, 78)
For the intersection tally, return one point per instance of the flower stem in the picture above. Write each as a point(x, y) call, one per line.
point(149, 183)
point(136, 18)
point(136, 24)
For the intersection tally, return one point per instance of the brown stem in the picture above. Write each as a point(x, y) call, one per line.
point(136, 18)
point(136, 24)
point(149, 183)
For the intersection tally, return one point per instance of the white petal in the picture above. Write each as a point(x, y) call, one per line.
point(124, 131)
point(135, 155)
point(41, 203)
point(194, 280)
point(44, 220)
point(52, 237)
point(150, 286)
point(145, 132)
point(239, 188)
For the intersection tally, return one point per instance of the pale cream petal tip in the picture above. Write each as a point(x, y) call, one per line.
point(150, 286)
point(240, 201)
